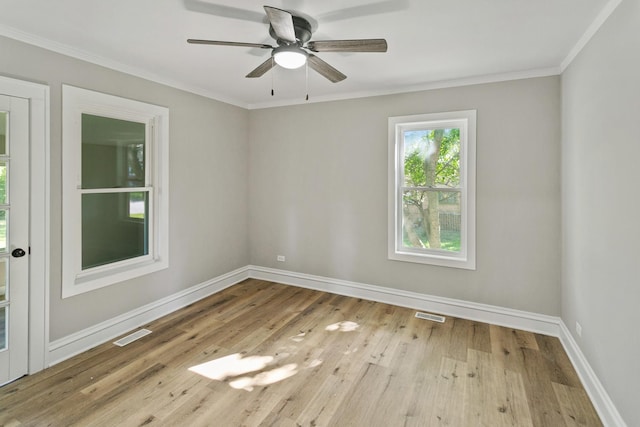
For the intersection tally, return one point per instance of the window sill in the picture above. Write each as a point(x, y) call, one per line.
point(434, 259)
point(90, 282)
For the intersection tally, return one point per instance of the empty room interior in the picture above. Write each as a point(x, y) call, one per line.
point(428, 220)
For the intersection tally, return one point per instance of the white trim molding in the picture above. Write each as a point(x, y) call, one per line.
point(39, 222)
point(78, 278)
point(524, 320)
point(88, 338)
point(608, 412)
point(602, 17)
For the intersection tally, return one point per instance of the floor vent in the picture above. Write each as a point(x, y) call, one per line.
point(132, 337)
point(429, 316)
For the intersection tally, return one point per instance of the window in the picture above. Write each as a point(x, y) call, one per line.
point(115, 189)
point(432, 189)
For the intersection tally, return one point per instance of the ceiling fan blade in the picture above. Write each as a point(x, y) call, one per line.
point(360, 45)
point(221, 43)
point(325, 69)
point(282, 23)
point(262, 68)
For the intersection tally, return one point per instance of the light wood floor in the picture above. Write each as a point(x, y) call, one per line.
point(266, 354)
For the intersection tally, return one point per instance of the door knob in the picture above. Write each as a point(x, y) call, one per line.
point(18, 252)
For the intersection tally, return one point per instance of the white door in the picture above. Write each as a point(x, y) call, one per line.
point(14, 237)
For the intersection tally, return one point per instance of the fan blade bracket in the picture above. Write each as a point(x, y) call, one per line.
point(357, 45)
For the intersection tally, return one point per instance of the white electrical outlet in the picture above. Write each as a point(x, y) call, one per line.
point(579, 329)
point(281, 258)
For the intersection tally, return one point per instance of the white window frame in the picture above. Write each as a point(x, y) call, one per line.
point(466, 121)
point(75, 102)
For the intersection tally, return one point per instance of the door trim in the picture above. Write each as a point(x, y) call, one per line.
point(39, 149)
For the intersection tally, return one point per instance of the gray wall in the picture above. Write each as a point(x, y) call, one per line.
point(601, 229)
point(318, 192)
point(208, 185)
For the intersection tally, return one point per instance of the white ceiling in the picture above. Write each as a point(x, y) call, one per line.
point(431, 42)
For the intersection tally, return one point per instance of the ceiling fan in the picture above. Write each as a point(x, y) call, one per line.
point(293, 38)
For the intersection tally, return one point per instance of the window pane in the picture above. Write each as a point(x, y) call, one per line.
point(3, 230)
point(432, 158)
point(3, 278)
point(109, 233)
point(3, 183)
point(431, 220)
point(113, 153)
point(3, 328)
point(137, 205)
point(4, 119)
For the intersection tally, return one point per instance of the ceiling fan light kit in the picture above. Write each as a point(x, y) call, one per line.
point(290, 56)
point(293, 38)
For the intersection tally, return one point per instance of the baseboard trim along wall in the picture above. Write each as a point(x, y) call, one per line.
point(83, 340)
point(86, 339)
point(533, 322)
point(599, 397)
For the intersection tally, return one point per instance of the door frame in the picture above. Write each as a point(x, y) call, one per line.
point(39, 211)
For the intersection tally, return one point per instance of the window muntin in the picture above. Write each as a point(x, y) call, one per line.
point(115, 203)
point(432, 189)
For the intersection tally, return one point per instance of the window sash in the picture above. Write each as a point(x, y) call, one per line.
point(124, 214)
point(400, 247)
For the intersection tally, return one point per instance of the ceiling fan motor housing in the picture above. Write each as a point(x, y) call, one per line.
point(302, 29)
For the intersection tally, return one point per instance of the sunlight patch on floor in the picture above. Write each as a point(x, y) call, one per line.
point(235, 366)
point(231, 366)
point(345, 326)
point(265, 378)
point(298, 338)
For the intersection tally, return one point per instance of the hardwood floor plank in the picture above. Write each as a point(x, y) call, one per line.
point(194, 410)
point(506, 349)
point(479, 337)
point(543, 404)
point(458, 342)
point(365, 404)
point(576, 407)
point(324, 403)
point(262, 354)
point(559, 366)
point(448, 407)
point(496, 396)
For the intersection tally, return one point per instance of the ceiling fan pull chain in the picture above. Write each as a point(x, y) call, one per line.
point(272, 65)
point(306, 77)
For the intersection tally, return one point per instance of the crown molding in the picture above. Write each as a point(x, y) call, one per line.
point(602, 17)
point(83, 55)
point(442, 84)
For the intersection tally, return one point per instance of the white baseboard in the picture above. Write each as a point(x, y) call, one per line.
point(88, 338)
point(78, 342)
point(524, 320)
point(599, 396)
